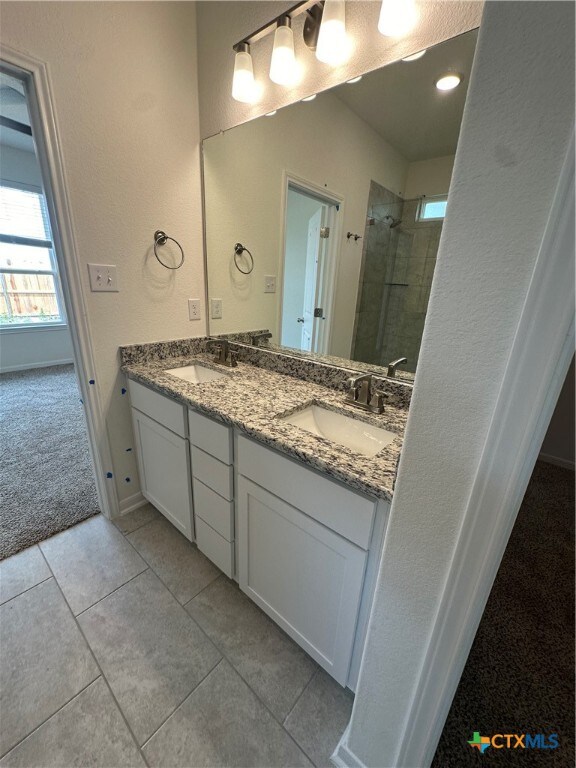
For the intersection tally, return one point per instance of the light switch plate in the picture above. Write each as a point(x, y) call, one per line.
point(194, 309)
point(103, 277)
point(216, 309)
point(269, 283)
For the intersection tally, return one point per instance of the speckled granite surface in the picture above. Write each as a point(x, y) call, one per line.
point(253, 399)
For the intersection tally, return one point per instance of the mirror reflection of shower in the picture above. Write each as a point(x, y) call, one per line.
point(398, 260)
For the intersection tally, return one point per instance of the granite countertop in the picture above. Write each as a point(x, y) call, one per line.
point(252, 399)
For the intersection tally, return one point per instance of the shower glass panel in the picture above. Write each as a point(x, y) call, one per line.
point(398, 260)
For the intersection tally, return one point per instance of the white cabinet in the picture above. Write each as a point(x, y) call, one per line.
point(213, 483)
point(163, 461)
point(294, 560)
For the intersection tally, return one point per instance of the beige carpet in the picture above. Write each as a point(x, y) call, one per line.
point(519, 677)
point(46, 479)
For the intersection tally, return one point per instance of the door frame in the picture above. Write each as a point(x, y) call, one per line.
point(335, 200)
point(48, 149)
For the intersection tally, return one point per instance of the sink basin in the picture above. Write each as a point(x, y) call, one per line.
point(196, 374)
point(344, 430)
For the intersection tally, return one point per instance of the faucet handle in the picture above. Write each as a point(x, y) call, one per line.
point(376, 404)
point(351, 389)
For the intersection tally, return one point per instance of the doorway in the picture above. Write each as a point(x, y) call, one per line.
point(309, 269)
point(48, 481)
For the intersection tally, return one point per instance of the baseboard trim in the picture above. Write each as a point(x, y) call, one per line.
point(564, 463)
point(31, 366)
point(131, 503)
point(343, 756)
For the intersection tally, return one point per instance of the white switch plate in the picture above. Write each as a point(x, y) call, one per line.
point(269, 283)
point(103, 277)
point(216, 309)
point(194, 309)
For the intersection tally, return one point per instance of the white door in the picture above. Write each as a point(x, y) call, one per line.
point(313, 252)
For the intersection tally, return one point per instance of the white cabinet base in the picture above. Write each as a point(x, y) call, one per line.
point(303, 575)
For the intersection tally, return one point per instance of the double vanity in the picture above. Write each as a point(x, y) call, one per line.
point(279, 479)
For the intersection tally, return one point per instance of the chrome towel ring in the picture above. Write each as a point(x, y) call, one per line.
point(240, 250)
point(161, 238)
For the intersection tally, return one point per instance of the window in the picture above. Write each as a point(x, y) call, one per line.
point(29, 286)
point(432, 209)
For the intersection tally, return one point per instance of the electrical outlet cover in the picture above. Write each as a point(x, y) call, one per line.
point(216, 309)
point(194, 309)
point(269, 283)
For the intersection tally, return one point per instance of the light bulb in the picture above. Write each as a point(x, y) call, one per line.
point(333, 43)
point(397, 17)
point(448, 81)
point(243, 85)
point(283, 68)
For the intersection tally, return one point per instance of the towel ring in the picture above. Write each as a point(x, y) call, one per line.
point(161, 238)
point(240, 250)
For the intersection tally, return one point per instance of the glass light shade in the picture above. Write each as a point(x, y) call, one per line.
point(283, 69)
point(397, 17)
point(333, 45)
point(243, 86)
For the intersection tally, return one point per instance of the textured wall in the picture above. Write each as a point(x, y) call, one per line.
point(221, 24)
point(124, 87)
point(515, 133)
point(429, 177)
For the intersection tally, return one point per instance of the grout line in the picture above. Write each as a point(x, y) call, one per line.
point(163, 723)
point(27, 590)
point(37, 727)
point(300, 696)
point(143, 525)
point(113, 591)
point(130, 731)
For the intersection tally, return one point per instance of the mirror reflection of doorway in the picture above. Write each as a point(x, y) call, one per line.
point(309, 270)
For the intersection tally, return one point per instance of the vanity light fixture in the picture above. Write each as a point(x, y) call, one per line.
point(397, 17)
point(354, 80)
point(415, 56)
point(333, 43)
point(283, 66)
point(243, 85)
point(310, 98)
point(448, 81)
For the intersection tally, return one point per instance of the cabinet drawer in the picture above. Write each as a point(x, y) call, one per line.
point(210, 436)
point(347, 512)
point(213, 473)
point(162, 409)
point(215, 547)
point(214, 510)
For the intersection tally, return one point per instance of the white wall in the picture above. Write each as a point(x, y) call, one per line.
point(429, 177)
point(221, 24)
point(514, 138)
point(322, 142)
point(558, 445)
point(31, 347)
point(124, 87)
point(299, 211)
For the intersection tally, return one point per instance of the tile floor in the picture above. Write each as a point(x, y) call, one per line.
point(122, 645)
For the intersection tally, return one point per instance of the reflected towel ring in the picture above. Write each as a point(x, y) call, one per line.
point(160, 238)
point(240, 250)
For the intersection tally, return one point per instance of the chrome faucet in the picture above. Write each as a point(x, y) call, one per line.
point(359, 394)
point(393, 365)
point(258, 337)
point(224, 355)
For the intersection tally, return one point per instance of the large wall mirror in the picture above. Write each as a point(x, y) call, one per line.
point(339, 202)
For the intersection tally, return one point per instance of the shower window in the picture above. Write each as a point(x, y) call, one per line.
point(432, 209)
point(29, 285)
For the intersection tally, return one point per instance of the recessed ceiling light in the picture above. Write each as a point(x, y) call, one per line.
point(415, 56)
point(448, 81)
point(354, 80)
point(310, 98)
point(270, 114)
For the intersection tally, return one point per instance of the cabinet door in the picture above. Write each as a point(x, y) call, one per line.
point(163, 461)
point(303, 575)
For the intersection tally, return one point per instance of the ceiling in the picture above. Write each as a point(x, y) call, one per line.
point(401, 103)
point(13, 105)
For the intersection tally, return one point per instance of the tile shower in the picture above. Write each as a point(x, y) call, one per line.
point(396, 273)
